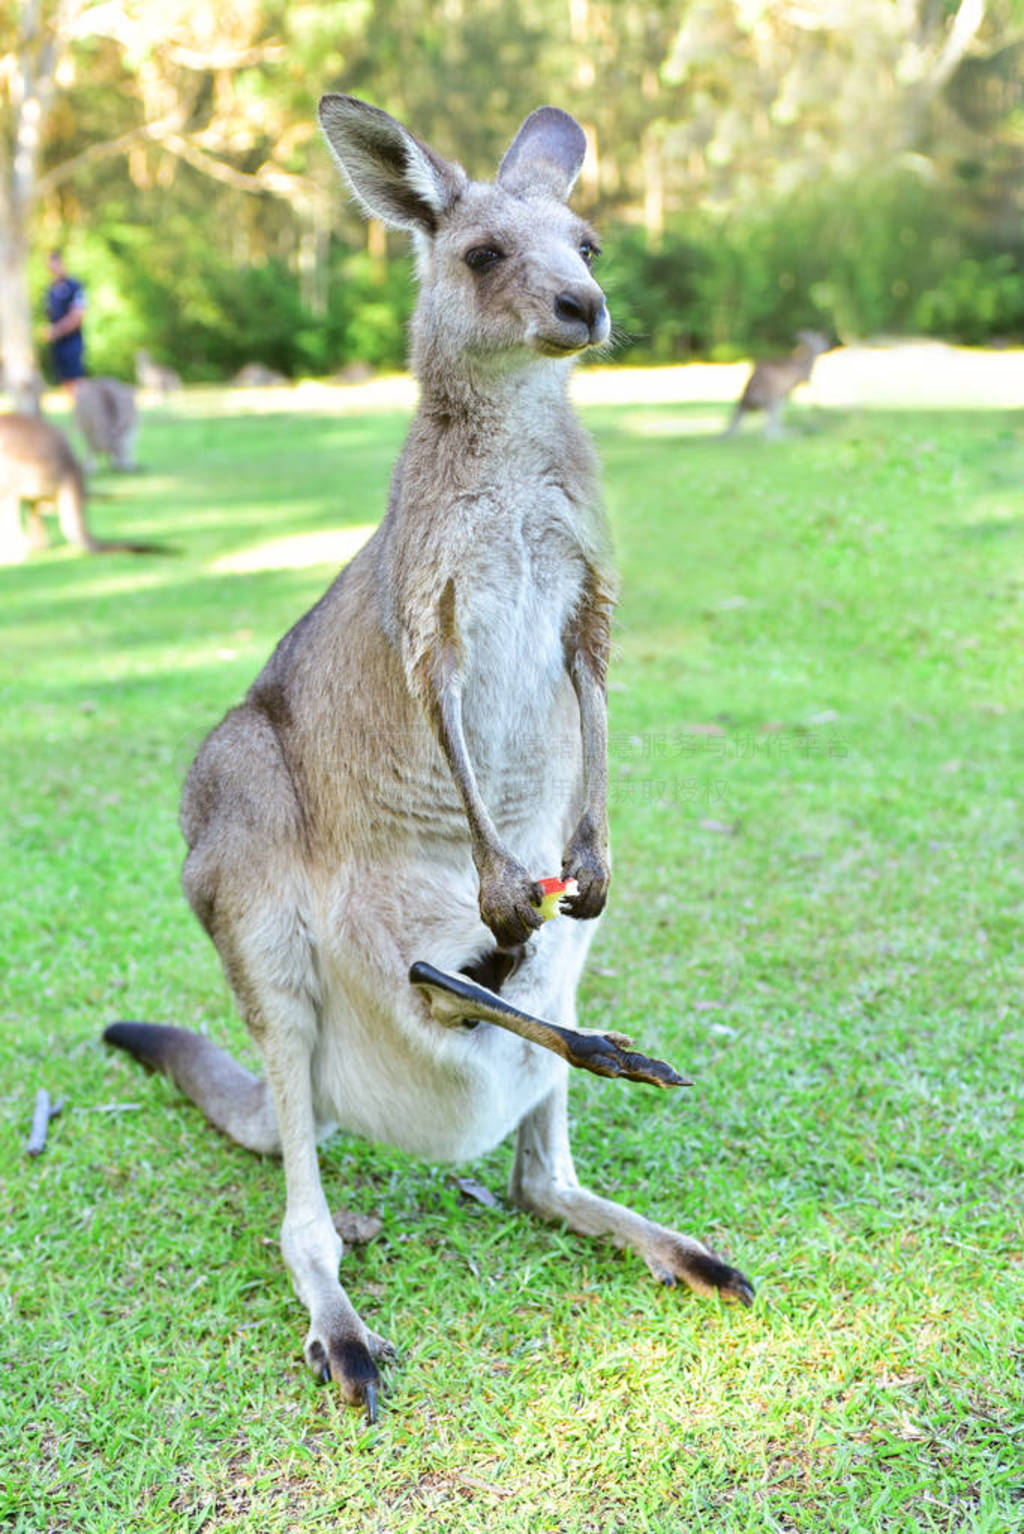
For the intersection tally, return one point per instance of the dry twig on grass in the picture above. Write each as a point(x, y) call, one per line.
point(44, 1111)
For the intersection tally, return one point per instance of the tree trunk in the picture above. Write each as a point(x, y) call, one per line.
point(31, 79)
point(21, 375)
point(314, 253)
point(654, 187)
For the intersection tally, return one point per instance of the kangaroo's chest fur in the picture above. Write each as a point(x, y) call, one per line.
point(511, 531)
point(518, 539)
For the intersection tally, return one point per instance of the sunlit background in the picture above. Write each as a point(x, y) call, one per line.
point(850, 165)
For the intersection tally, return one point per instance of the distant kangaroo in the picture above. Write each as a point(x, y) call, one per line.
point(106, 416)
point(366, 829)
point(38, 465)
point(155, 376)
point(773, 381)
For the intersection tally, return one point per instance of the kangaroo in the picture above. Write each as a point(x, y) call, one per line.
point(37, 464)
point(365, 831)
point(106, 416)
point(772, 382)
point(155, 376)
point(256, 375)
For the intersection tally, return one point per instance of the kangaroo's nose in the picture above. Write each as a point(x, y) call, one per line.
point(578, 306)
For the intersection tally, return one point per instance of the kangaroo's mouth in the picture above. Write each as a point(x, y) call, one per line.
point(545, 346)
point(573, 336)
point(556, 346)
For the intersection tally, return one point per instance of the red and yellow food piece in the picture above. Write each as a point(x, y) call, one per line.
point(554, 891)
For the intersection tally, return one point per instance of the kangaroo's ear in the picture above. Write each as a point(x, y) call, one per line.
point(545, 155)
point(394, 176)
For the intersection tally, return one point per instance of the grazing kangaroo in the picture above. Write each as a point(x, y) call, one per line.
point(366, 829)
point(773, 381)
point(106, 416)
point(37, 464)
point(256, 375)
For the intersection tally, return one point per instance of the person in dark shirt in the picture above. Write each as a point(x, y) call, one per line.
point(65, 309)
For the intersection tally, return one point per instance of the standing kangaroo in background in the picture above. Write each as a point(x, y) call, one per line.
point(773, 381)
point(366, 828)
point(36, 465)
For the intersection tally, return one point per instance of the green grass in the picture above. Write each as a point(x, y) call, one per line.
point(817, 914)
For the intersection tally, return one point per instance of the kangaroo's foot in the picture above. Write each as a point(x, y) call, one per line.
point(455, 999)
point(677, 1259)
point(544, 1181)
point(337, 1357)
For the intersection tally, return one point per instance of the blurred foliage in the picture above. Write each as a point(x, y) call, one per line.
point(193, 307)
point(860, 258)
point(854, 260)
point(857, 165)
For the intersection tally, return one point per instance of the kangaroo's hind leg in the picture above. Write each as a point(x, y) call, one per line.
point(270, 962)
point(338, 1346)
point(544, 1181)
point(14, 544)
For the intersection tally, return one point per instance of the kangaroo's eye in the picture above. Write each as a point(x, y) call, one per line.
point(483, 256)
point(590, 252)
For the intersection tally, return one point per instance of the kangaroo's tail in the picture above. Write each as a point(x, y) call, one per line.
point(121, 546)
point(232, 1098)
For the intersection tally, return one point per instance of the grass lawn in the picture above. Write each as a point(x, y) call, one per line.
point(817, 914)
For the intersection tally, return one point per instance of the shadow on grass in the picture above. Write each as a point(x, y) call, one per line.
point(988, 531)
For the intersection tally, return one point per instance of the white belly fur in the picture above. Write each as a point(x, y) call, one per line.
point(386, 1070)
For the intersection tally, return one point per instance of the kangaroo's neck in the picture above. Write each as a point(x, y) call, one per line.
point(482, 421)
point(500, 396)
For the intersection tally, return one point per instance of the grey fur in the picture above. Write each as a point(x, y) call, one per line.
point(427, 742)
point(773, 380)
point(106, 416)
point(37, 467)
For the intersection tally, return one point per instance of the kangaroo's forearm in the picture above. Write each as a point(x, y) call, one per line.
point(509, 897)
point(587, 650)
point(440, 685)
point(587, 859)
point(593, 706)
point(446, 717)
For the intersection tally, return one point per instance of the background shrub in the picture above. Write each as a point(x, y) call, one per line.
point(855, 259)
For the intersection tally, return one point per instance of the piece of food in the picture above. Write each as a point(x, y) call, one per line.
point(554, 891)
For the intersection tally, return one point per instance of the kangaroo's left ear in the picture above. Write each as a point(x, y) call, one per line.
point(545, 155)
point(394, 176)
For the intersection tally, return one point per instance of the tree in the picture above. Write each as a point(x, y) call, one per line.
point(167, 80)
point(29, 77)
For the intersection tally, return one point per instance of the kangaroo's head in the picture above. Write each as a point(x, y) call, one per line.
point(505, 266)
point(813, 341)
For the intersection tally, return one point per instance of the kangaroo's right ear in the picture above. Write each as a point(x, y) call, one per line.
point(546, 154)
point(394, 176)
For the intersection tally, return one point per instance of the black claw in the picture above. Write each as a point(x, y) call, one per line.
point(740, 1289)
point(319, 1364)
point(370, 1398)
